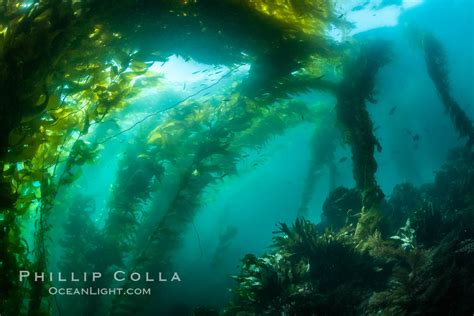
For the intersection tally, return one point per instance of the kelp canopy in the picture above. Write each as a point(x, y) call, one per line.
point(67, 66)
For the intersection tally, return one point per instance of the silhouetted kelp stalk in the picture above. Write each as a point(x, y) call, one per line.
point(323, 144)
point(354, 90)
point(80, 153)
point(83, 246)
point(137, 174)
point(225, 239)
point(436, 63)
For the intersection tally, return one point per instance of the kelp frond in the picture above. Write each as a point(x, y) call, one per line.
point(437, 65)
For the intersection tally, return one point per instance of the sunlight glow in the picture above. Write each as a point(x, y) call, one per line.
point(372, 14)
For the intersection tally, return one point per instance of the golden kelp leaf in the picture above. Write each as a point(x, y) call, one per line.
point(129, 76)
point(138, 66)
point(168, 124)
point(154, 136)
point(148, 80)
point(306, 16)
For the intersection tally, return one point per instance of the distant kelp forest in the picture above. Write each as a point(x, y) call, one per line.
point(67, 66)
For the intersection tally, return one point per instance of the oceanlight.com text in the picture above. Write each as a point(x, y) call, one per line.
point(98, 291)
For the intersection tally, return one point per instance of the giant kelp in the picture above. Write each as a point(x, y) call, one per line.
point(83, 245)
point(353, 92)
point(206, 158)
point(58, 80)
point(65, 66)
point(323, 145)
point(355, 89)
point(54, 89)
point(138, 173)
point(307, 272)
point(341, 208)
point(425, 267)
point(437, 66)
point(435, 276)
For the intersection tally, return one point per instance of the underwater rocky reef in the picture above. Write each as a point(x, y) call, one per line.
point(150, 147)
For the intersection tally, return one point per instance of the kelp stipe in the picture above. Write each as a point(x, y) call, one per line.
point(323, 144)
point(437, 66)
point(353, 92)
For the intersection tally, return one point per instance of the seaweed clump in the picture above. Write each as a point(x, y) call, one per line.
point(437, 276)
point(308, 272)
point(404, 200)
point(341, 208)
point(425, 268)
point(449, 201)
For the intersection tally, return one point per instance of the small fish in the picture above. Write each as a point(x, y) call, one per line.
point(184, 86)
point(342, 159)
point(255, 164)
point(392, 110)
point(195, 72)
point(223, 176)
point(340, 16)
point(416, 137)
point(245, 156)
point(302, 117)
